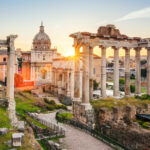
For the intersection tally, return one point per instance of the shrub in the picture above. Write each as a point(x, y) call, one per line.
point(52, 102)
point(63, 117)
point(143, 97)
point(122, 81)
point(50, 107)
point(95, 85)
point(132, 76)
point(59, 106)
point(132, 88)
point(46, 100)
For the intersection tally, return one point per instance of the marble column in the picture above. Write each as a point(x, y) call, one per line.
point(138, 71)
point(127, 72)
point(116, 73)
point(72, 84)
point(68, 83)
point(103, 71)
point(91, 72)
point(85, 78)
point(148, 70)
point(77, 74)
point(63, 80)
point(11, 72)
point(8, 80)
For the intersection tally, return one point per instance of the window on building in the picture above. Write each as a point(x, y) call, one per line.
point(4, 59)
point(94, 71)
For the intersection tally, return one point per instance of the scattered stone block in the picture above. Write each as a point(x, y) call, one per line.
point(17, 139)
point(3, 131)
point(21, 126)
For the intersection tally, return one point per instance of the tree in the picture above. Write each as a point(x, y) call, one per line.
point(95, 84)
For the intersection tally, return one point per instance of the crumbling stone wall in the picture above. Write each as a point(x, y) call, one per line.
point(118, 125)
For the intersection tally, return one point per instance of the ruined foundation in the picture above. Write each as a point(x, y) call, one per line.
point(83, 113)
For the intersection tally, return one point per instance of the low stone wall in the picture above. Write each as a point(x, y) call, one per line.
point(129, 136)
point(54, 127)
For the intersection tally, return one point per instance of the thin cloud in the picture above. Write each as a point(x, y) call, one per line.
point(143, 13)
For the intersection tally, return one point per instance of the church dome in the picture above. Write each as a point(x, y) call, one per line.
point(41, 40)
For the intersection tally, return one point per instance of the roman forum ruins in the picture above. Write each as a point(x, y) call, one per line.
point(107, 36)
point(74, 78)
point(9, 44)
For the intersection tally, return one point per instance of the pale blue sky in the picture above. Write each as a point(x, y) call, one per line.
point(63, 17)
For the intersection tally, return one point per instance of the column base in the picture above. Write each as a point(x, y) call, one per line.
point(83, 113)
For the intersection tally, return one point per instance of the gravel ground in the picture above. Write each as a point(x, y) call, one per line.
point(75, 138)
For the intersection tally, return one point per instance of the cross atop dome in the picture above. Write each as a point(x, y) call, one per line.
point(42, 27)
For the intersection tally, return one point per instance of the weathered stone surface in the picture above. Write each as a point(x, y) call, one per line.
point(17, 139)
point(21, 126)
point(83, 113)
point(3, 131)
point(118, 125)
point(54, 146)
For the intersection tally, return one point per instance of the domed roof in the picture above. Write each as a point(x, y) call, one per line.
point(41, 40)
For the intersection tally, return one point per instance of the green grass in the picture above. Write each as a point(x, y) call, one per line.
point(145, 125)
point(36, 122)
point(67, 116)
point(27, 105)
point(111, 102)
point(4, 120)
point(3, 139)
point(143, 90)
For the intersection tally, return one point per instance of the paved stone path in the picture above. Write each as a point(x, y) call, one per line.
point(75, 138)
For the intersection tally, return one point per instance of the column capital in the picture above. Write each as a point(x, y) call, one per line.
point(127, 48)
point(137, 48)
point(115, 47)
point(102, 47)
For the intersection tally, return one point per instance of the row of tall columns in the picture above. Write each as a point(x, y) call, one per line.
point(87, 75)
point(62, 82)
point(127, 72)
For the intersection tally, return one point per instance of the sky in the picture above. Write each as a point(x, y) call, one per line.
point(63, 17)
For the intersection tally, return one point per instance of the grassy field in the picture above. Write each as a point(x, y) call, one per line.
point(111, 102)
point(4, 120)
